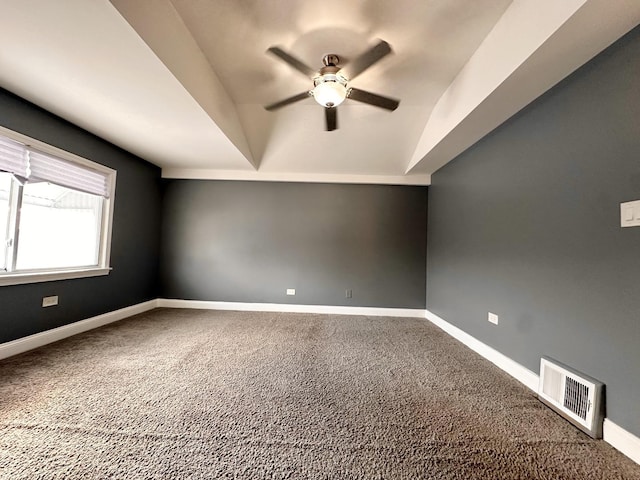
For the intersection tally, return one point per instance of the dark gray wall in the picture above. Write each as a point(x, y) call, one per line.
point(526, 224)
point(249, 242)
point(136, 227)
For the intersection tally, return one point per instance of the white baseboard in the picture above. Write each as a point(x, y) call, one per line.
point(621, 440)
point(614, 435)
point(293, 308)
point(512, 367)
point(25, 344)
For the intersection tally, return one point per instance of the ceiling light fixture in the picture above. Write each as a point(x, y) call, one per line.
point(330, 88)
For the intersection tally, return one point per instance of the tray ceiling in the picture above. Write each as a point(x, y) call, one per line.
point(182, 83)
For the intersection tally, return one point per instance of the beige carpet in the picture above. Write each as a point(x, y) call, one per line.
point(175, 394)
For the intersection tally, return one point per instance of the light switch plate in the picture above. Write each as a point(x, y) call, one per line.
point(630, 214)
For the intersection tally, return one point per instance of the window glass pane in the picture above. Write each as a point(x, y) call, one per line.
point(5, 188)
point(59, 227)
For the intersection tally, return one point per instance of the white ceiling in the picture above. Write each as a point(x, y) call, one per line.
point(182, 83)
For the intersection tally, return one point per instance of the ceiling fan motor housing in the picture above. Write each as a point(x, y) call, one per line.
point(331, 60)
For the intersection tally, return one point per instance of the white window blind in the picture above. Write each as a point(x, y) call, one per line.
point(35, 166)
point(13, 158)
point(46, 168)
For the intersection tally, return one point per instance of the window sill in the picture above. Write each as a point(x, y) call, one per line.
point(23, 278)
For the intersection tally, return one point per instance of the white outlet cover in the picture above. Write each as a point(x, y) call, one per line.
point(291, 291)
point(50, 301)
point(493, 318)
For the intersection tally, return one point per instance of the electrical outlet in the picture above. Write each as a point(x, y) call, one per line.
point(50, 301)
point(348, 293)
point(493, 318)
point(291, 291)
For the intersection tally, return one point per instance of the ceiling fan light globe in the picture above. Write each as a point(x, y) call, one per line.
point(330, 94)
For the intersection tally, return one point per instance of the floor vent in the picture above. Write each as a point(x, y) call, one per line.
point(577, 397)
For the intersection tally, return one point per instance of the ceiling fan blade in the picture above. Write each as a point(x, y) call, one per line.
point(292, 61)
point(365, 60)
point(373, 99)
point(287, 101)
point(331, 115)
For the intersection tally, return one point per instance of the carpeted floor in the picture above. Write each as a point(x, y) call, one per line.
point(175, 394)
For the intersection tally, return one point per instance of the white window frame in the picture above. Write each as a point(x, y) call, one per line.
point(104, 256)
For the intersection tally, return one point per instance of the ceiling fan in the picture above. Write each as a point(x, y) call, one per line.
point(330, 83)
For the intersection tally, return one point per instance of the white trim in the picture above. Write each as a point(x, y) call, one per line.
point(25, 344)
point(242, 175)
point(620, 439)
point(49, 276)
point(513, 368)
point(284, 307)
point(108, 205)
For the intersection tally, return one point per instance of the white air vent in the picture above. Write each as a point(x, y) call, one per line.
point(577, 397)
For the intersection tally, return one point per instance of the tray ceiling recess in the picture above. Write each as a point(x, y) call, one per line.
point(183, 83)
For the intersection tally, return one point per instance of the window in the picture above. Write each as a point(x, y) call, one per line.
point(55, 212)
